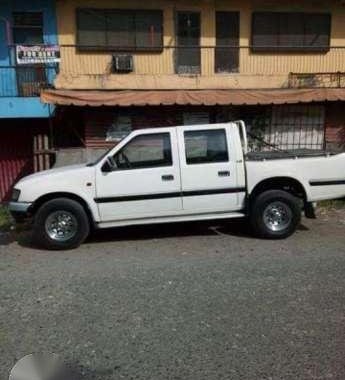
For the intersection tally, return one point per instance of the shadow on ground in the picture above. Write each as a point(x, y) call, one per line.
point(236, 228)
point(80, 372)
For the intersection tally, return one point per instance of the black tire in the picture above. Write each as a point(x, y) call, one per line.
point(291, 210)
point(80, 219)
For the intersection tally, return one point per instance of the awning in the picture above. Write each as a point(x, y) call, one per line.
point(123, 98)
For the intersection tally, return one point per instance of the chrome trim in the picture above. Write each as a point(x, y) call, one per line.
point(21, 207)
point(61, 226)
point(277, 216)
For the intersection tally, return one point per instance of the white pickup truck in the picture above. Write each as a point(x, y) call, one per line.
point(178, 174)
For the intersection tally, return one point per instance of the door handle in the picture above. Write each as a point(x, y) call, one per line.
point(224, 173)
point(167, 177)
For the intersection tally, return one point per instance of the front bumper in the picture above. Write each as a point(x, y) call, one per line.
point(20, 210)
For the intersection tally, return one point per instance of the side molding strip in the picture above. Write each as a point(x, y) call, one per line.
point(128, 198)
point(327, 182)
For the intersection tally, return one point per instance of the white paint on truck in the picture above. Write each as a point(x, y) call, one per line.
point(183, 173)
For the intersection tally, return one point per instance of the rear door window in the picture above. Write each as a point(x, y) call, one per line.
point(206, 146)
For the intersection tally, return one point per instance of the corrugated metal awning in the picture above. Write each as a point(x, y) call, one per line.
point(123, 98)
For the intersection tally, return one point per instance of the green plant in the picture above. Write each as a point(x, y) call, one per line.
point(5, 219)
point(336, 203)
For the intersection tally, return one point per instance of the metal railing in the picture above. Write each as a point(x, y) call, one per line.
point(26, 80)
point(317, 80)
point(93, 67)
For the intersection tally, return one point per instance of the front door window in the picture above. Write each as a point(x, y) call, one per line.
point(145, 151)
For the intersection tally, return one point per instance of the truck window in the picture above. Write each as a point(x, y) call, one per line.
point(206, 146)
point(145, 151)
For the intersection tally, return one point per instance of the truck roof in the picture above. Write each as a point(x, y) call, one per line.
point(196, 126)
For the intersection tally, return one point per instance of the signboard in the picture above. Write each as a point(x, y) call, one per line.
point(37, 54)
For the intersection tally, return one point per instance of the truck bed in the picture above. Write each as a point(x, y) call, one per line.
point(278, 155)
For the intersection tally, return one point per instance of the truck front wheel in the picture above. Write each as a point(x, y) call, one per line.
point(60, 223)
point(275, 214)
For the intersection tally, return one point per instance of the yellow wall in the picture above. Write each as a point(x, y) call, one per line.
point(156, 70)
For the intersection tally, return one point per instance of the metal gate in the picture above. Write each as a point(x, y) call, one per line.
point(16, 159)
point(297, 127)
point(287, 127)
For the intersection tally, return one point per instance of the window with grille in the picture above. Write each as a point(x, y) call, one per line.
point(291, 31)
point(114, 29)
point(227, 42)
point(188, 53)
point(27, 28)
point(296, 126)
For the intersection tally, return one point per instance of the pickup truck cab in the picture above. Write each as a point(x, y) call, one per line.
point(178, 174)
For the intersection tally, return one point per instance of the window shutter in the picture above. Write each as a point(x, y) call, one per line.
point(227, 34)
point(91, 27)
point(265, 30)
point(27, 27)
point(25, 19)
point(148, 26)
point(120, 29)
point(317, 30)
point(291, 30)
point(227, 28)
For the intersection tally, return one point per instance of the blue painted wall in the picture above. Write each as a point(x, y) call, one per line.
point(10, 105)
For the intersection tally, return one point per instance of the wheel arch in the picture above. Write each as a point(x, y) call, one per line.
point(288, 184)
point(50, 196)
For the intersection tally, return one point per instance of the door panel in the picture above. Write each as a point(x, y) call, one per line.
point(147, 181)
point(208, 167)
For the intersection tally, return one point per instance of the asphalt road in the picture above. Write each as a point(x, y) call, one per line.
point(181, 302)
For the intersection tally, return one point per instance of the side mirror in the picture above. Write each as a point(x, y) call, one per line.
point(109, 165)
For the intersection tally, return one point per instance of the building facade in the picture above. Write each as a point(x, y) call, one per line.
point(24, 119)
point(276, 64)
point(126, 64)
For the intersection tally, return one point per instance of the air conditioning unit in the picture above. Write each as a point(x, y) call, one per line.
point(122, 63)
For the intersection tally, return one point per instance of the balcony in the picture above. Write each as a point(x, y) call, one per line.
point(25, 81)
point(191, 67)
point(201, 67)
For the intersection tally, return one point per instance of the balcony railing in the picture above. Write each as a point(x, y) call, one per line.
point(25, 81)
point(317, 80)
point(91, 67)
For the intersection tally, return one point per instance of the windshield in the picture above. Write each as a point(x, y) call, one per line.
point(99, 159)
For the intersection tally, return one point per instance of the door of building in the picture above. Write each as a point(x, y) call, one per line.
point(188, 59)
point(16, 158)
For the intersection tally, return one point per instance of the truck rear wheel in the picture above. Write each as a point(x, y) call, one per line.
point(275, 214)
point(61, 223)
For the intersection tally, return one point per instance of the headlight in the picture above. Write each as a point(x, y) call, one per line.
point(15, 195)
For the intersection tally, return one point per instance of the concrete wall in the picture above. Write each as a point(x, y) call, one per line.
point(89, 70)
point(72, 156)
